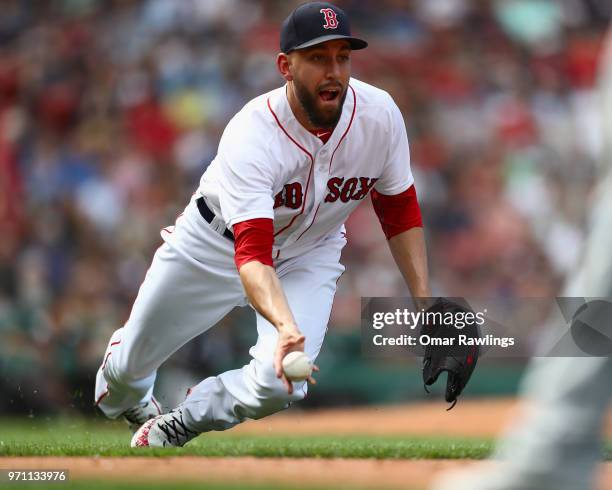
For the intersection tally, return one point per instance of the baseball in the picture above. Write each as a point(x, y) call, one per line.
point(297, 366)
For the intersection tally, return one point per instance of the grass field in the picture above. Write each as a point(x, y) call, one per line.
point(82, 438)
point(79, 443)
point(85, 438)
point(45, 437)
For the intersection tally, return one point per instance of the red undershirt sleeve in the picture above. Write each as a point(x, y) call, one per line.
point(254, 239)
point(397, 213)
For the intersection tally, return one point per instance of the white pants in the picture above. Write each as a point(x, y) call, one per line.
point(192, 284)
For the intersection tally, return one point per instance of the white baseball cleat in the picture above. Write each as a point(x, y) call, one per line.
point(167, 430)
point(139, 414)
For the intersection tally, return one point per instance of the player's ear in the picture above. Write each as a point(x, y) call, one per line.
point(283, 64)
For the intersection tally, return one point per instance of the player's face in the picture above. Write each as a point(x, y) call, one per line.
point(320, 78)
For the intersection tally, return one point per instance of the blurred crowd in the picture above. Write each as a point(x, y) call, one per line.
point(110, 110)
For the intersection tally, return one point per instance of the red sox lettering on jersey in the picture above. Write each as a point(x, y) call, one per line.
point(339, 187)
point(269, 166)
point(331, 20)
point(347, 189)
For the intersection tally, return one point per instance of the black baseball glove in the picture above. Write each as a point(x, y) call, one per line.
point(449, 347)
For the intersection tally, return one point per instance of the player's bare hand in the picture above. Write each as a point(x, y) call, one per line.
point(289, 340)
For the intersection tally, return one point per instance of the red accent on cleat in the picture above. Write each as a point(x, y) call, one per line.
point(143, 438)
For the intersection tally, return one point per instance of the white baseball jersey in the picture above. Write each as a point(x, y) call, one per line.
point(269, 166)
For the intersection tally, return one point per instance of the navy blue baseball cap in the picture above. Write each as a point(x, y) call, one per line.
point(314, 23)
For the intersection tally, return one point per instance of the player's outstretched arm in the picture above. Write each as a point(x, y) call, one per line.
point(400, 218)
point(266, 295)
point(408, 250)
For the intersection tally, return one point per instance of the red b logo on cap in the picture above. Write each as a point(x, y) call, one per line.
point(331, 22)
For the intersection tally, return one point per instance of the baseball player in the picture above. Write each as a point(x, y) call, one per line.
point(265, 228)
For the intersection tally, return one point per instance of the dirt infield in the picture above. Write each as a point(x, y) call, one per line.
point(477, 418)
point(483, 418)
point(328, 473)
point(334, 473)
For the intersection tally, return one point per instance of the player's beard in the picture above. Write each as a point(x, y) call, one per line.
point(317, 117)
